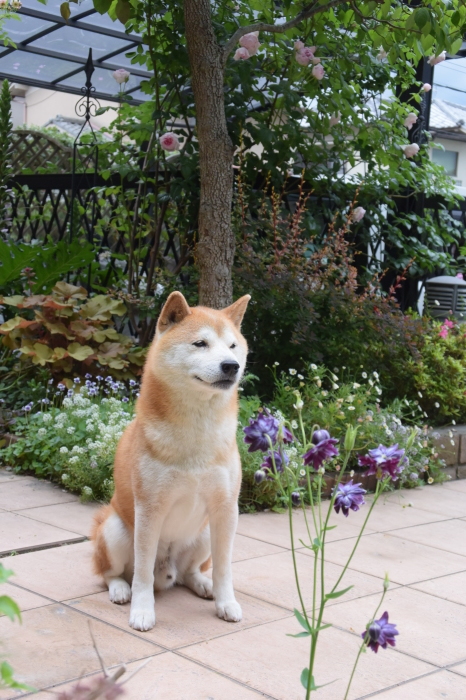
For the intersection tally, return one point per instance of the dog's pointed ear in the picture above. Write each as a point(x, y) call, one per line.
point(236, 311)
point(175, 310)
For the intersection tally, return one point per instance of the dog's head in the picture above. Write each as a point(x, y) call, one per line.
point(200, 348)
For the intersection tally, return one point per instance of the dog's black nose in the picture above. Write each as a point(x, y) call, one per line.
point(230, 368)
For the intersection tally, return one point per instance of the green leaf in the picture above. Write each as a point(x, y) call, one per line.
point(4, 574)
point(102, 6)
point(123, 11)
point(421, 17)
point(302, 620)
point(305, 680)
point(65, 11)
point(337, 594)
point(9, 608)
point(6, 676)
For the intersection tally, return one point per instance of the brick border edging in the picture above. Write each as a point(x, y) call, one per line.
point(451, 447)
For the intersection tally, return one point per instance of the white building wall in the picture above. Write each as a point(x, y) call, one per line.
point(460, 148)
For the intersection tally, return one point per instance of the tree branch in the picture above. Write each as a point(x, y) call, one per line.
point(307, 12)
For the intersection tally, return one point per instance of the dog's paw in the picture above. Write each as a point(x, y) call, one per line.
point(230, 611)
point(119, 591)
point(142, 620)
point(200, 584)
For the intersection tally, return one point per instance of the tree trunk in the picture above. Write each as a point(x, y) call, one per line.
point(216, 247)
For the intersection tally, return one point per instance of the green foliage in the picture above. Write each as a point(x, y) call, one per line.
point(5, 128)
point(9, 608)
point(73, 441)
point(71, 334)
point(440, 373)
point(47, 263)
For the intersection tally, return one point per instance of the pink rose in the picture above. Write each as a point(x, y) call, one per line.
point(318, 71)
point(427, 87)
point(304, 56)
point(357, 214)
point(298, 45)
point(381, 55)
point(460, 275)
point(435, 60)
point(241, 54)
point(410, 120)
point(250, 42)
point(169, 142)
point(121, 76)
point(411, 150)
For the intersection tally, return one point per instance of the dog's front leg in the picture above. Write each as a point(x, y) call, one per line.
point(223, 522)
point(147, 529)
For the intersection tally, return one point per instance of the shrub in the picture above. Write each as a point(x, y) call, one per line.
point(75, 443)
point(71, 334)
point(440, 374)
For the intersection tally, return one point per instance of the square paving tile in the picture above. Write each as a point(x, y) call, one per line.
point(17, 532)
point(447, 535)
point(25, 599)
point(459, 669)
point(404, 561)
point(442, 685)
point(11, 476)
point(430, 629)
point(437, 499)
point(31, 493)
point(451, 587)
point(54, 644)
point(59, 573)
point(274, 528)
point(272, 579)
point(455, 485)
point(70, 516)
point(171, 677)
point(248, 548)
point(268, 660)
point(182, 617)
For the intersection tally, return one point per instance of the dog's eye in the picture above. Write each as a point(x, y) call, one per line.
point(200, 344)
point(232, 346)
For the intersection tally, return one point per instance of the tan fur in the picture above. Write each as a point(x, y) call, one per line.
point(177, 470)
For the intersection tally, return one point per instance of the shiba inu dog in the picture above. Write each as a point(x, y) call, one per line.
point(177, 467)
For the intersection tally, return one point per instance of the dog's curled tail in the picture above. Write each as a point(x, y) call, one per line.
point(100, 557)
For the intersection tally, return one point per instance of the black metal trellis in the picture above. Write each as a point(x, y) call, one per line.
point(85, 107)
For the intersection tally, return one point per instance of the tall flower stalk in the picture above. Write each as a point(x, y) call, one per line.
point(304, 485)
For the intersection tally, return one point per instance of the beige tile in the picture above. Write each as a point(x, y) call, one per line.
point(272, 579)
point(427, 624)
point(270, 661)
point(455, 485)
point(446, 587)
point(32, 493)
point(171, 677)
point(11, 476)
point(435, 499)
point(447, 535)
point(54, 644)
point(17, 532)
point(274, 527)
point(442, 685)
point(248, 548)
point(182, 617)
point(25, 599)
point(70, 516)
point(459, 669)
point(404, 561)
point(59, 573)
point(393, 515)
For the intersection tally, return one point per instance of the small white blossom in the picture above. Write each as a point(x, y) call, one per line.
point(364, 375)
point(64, 450)
point(46, 417)
point(320, 404)
point(419, 394)
point(74, 460)
point(65, 477)
point(335, 387)
point(351, 408)
point(70, 430)
point(302, 472)
point(313, 367)
point(87, 491)
point(41, 432)
point(356, 385)
point(300, 376)
point(275, 364)
point(292, 372)
point(294, 424)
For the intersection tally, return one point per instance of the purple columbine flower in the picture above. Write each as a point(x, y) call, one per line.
point(287, 436)
point(132, 382)
point(280, 462)
point(384, 461)
point(324, 448)
point(27, 407)
point(349, 496)
point(380, 633)
point(125, 399)
point(258, 429)
point(296, 498)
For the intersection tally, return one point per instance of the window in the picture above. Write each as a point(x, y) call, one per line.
point(449, 160)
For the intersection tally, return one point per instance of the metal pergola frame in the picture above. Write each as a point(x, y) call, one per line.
point(79, 21)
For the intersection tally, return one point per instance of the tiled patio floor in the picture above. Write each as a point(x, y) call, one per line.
point(194, 655)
